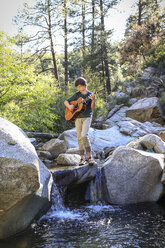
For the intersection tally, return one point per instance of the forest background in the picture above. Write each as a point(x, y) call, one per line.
point(35, 78)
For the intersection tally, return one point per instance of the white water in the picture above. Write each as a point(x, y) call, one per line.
point(59, 211)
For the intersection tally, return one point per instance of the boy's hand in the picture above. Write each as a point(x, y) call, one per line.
point(71, 107)
point(92, 97)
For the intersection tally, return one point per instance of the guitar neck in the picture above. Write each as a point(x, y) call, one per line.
point(85, 99)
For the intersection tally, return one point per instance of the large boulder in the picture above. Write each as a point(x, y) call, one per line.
point(129, 126)
point(25, 183)
point(135, 128)
point(149, 142)
point(111, 137)
point(117, 114)
point(121, 133)
point(68, 159)
point(146, 109)
point(55, 147)
point(132, 176)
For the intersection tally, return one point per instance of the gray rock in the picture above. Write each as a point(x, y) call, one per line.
point(116, 109)
point(130, 126)
point(25, 182)
point(131, 129)
point(100, 139)
point(135, 144)
point(132, 101)
point(116, 115)
point(68, 159)
point(146, 109)
point(152, 141)
point(148, 142)
point(32, 140)
point(77, 175)
point(55, 147)
point(73, 151)
point(44, 154)
point(133, 176)
point(70, 138)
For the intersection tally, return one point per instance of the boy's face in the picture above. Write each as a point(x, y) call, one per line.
point(81, 88)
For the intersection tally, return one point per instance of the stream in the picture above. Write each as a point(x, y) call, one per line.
point(140, 226)
point(94, 225)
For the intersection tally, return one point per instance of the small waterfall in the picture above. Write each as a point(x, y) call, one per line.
point(57, 204)
point(58, 210)
point(56, 197)
point(94, 190)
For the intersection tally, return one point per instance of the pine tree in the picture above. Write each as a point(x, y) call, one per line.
point(42, 16)
point(143, 35)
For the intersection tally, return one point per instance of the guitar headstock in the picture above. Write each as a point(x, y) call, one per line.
point(100, 91)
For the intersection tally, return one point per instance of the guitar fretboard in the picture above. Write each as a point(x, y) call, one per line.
point(85, 99)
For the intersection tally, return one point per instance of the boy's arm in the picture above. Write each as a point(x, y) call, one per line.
point(67, 102)
point(69, 106)
point(93, 98)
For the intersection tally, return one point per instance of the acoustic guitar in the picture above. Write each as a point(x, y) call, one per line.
point(79, 107)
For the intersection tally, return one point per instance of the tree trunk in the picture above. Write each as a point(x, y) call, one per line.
point(93, 26)
point(104, 49)
point(83, 31)
point(139, 12)
point(51, 43)
point(65, 46)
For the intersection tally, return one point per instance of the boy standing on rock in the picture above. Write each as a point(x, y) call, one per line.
point(83, 121)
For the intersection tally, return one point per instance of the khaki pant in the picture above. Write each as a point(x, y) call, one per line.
point(82, 130)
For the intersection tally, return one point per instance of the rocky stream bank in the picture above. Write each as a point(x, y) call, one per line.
point(129, 149)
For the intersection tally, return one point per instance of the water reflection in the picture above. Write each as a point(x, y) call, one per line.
point(141, 226)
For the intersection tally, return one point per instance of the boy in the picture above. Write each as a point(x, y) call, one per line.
point(83, 121)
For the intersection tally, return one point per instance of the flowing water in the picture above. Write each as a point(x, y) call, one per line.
point(141, 225)
point(95, 226)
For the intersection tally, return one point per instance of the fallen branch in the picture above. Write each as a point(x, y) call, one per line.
point(42, 135)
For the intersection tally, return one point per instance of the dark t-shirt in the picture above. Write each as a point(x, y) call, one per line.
point(76, 96)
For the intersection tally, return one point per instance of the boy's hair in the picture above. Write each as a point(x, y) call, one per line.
point(80, 81)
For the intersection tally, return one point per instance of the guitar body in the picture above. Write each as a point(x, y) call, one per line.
point(80, 107)
point(72, 115)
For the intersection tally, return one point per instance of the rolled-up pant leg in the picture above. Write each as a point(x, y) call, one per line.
point(82, 129)
point(78, 124)
point(85, 131)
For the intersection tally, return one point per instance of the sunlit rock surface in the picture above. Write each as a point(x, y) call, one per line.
point(25, 182)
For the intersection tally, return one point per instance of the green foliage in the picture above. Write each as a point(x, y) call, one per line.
point(122, 100)
point(144, 41)
point(13, 75)
point(95, 82)
point(31, 107)
point(27, 99)
point(59, 108)
point(100, 109)
point(74, 64)
point(156, 56)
